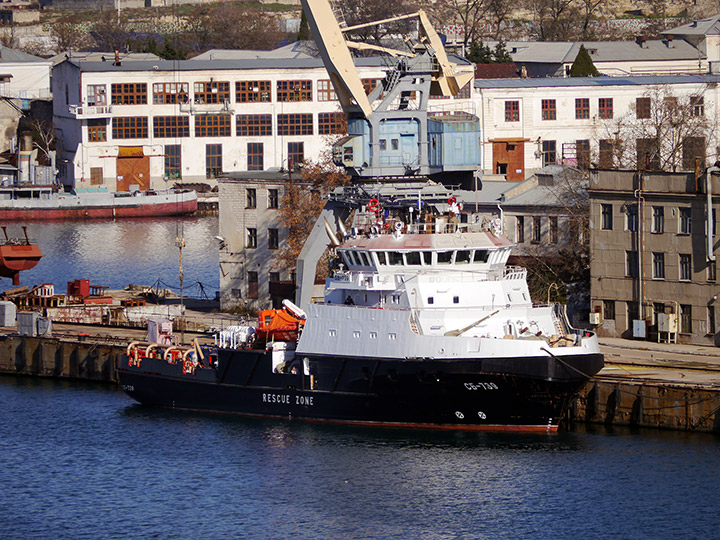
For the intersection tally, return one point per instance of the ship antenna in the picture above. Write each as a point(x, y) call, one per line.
point(180, 243)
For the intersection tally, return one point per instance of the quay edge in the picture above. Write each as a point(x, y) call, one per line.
point(604, 400)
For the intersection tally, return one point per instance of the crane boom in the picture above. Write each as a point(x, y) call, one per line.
point(336, 56)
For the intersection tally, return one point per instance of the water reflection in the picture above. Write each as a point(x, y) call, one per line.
point(116, 253)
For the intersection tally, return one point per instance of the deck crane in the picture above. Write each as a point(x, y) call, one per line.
point(392, 134)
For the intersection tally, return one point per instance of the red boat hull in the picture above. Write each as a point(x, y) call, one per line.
point(97, 212)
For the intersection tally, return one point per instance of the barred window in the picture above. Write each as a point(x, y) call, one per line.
point(130, 127)
point(253, 92)
point(642, 107)
point(370, 84)
point(129, 94)
point(325, 91)
point(171, 92)
point(295, 124)
point(97, 130)
point(331, 123)
point(212, 125)
point(211, 92)
point(171, 126)
point(253, 125)
point(294, 90)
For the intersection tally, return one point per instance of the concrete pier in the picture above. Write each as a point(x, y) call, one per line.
point(643, 384)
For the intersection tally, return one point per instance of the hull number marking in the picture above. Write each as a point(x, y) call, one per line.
point(481, 386)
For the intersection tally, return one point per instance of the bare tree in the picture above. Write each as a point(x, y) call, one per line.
point(66, 33)
point(364, 11)
point(660, 132)
point(44, 138)
point(108, 33)
point(8, 38)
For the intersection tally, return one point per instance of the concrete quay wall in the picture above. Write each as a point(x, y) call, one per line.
point(648, 404)
point(63, 359)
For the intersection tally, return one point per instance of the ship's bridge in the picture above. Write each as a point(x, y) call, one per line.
point(396, 253)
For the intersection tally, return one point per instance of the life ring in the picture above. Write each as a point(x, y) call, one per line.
point(452, 200)
point(374, 205)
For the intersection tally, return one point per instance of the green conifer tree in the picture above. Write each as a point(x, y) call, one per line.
point(501, 54)
point(583, 65)
point(304, 32)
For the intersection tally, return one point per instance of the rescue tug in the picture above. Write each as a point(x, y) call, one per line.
point(423, 324)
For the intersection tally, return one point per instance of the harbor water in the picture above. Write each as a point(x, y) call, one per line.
point(85, 462)
point(117, 253)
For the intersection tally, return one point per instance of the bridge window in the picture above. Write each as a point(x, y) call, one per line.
point(396, 259)
point(463, 257)
point(364, 257)
point(444, 257)
point(427, 257)
point(480, 256)
point(456, 299)
point(413, 258)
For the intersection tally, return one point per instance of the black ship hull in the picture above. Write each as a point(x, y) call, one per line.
point(523, 394)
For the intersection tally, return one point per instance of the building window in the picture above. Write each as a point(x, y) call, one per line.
point(252, 278)
point(173, 162)
point(464, 93)
point(582, 108)
point(331, 123)
point(273, 199)
point(130, 127)
point(520, 229)
point(697, 106)
point(171, 92)
point(582, 152)
point(294, 90)
point(711, 271)
point(255, 157)
point(631, 218)
point(97, 130)
point(213, 160)
point(605, 108)
point(607, 217)
point(553, 229)
point(252, 92)
point(273, 238)
point(171, 126)
point(549, 112)
point(658, 266)
point(96, 176)
point(658, 219)
point(711, 319)
point(631, 264)
point(212, 125)
point(642, 107)
point(369, 85)
point(211, 92)
point(325, 91)
point(295, 124)
point(536, 230)
point(693, 151)
point(251, 241)
point(253, 125)
point(296, 154)
point(250, 198)
point(648, 153)
point(685, 267)
point(609, 310)
point(633, 313)
point(685, 319)
point(549, 153)
point(512, 111)
point(129, 94)
point(685, 221)
point(606, 155)
point(274, 276)
point(96, 95)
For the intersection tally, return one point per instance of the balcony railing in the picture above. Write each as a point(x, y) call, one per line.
point(90, 111)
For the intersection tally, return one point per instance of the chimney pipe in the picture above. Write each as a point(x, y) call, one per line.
point(670, 41)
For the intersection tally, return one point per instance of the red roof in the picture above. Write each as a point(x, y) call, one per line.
point(496, 71)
